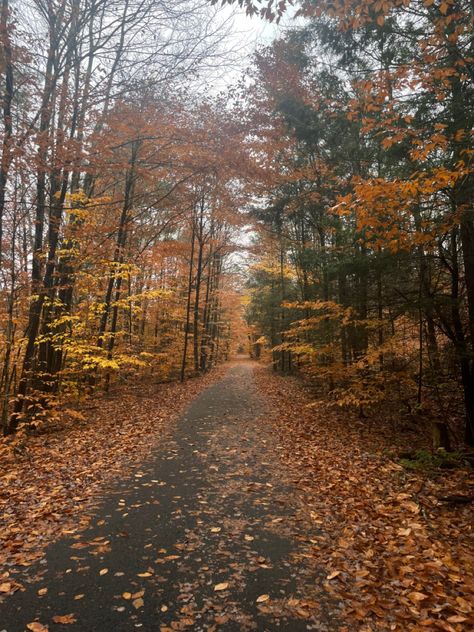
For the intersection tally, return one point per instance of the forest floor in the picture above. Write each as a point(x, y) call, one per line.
point(251, 510)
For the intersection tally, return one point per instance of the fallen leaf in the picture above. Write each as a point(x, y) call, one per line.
point(262, 598)
point(333, 575)
point(417, 596)
point(222, 586)
point(64, 619)
point(37, 627)
point(42, 591)
point(138, 603)
point(411, 506)
point(456, 618)
point(463, 604)
point(104, 571)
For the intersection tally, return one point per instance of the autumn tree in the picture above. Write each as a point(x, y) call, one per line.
point(378, 101)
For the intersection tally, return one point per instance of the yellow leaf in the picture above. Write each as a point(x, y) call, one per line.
point(144, 574)
point(222, 586)
point(263, 598)
point(104, 571)
point(215, 529)
point(333, 575)
point(5, 587)
point(42, 591)
point(138, 603)
point(127, 595)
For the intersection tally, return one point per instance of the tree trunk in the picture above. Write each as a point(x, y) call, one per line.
point(188, 299)
point(200, 239)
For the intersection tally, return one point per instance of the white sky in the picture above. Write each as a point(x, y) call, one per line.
point(250, 33)
point(258, 31)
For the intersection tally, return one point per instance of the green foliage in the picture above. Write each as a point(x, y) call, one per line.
point(439, 459)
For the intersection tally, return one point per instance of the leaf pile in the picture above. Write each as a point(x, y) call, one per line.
point(395, 554)
point(50, 481)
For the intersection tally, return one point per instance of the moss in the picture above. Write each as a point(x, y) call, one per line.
point(426, 460)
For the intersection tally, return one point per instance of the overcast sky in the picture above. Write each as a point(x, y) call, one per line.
point(250, 33)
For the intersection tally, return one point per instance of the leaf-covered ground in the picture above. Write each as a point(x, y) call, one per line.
point(50, 481)
point(206, 534)
point(255, 511)
point(397, 555)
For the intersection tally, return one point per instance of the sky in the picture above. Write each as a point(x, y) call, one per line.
point(248, 34)
point(257, 31)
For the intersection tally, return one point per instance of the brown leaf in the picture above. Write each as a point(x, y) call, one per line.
point(463, 604)
point(411, 506)
point(222, 586)
point(417, 596)
point(456, 618)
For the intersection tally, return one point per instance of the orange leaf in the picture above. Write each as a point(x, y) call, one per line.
point(263, 598)
point(64, 619)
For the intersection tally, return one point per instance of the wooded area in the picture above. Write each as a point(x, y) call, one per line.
point(124, 192)
point(116, 198)
point(168, 202)
point(364, 117)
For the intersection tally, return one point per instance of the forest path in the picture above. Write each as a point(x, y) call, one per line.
point(213, 508)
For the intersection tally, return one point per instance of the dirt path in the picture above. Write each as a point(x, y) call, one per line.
point(207, 535)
